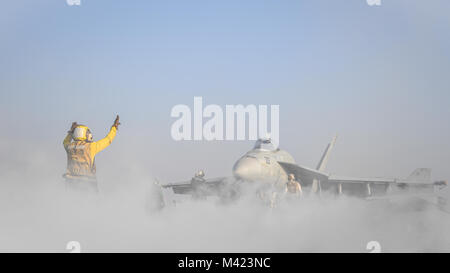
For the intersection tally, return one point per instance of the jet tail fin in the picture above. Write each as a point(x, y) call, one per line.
point(324, 160)
point(421, 175)
point(323, 163)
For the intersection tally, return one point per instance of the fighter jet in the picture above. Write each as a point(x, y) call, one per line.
point(266, 165)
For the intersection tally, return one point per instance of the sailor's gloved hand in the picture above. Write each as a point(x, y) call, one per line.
point(116, 122)
point(74, 125)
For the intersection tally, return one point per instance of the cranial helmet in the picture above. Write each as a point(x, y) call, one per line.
point(81, 133)
point(200, 173)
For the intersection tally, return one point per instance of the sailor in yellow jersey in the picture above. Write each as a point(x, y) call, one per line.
point(81, 151)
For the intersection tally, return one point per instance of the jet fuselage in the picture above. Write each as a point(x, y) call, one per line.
point(261, 165)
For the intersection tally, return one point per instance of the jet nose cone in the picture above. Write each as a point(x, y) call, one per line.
point(247, 169)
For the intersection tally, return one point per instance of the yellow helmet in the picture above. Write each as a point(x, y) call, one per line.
point(81, 133)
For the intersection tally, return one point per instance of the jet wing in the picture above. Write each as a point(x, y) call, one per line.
point(379, 186)
point(305, 175)
point(420, 177)
point(212, 186)
point(343, 179)
point(419, 180)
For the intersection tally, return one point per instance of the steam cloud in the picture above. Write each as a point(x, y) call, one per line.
point(37, 214)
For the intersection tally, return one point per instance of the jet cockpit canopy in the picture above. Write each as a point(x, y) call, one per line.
point(264, 144)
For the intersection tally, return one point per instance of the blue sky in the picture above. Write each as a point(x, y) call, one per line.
point(377, 75)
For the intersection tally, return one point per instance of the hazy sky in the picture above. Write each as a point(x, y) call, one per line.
point(378, 76)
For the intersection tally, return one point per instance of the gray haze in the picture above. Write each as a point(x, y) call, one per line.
point(39, 215)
